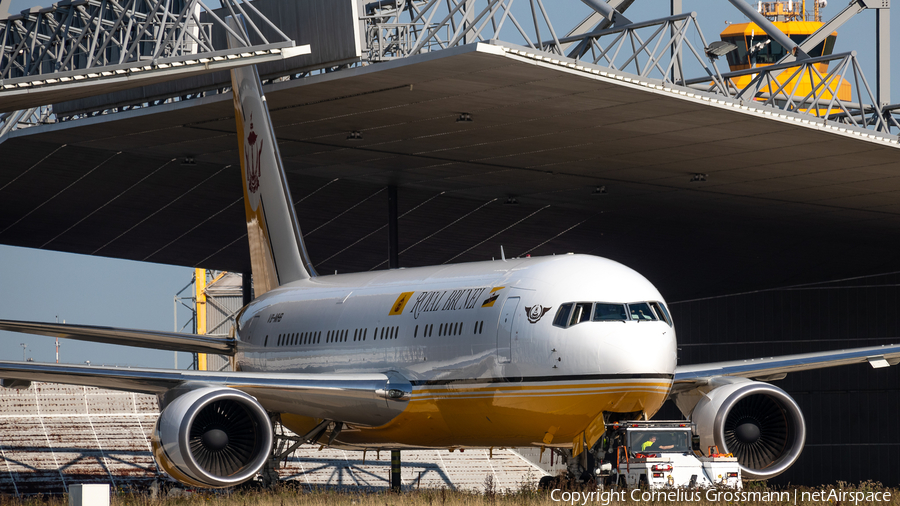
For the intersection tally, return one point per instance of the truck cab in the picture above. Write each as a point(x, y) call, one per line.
point(662, 454)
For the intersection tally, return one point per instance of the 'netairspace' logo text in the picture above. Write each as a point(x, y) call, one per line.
point(605, 497)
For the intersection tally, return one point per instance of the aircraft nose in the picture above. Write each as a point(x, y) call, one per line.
point(639, 348)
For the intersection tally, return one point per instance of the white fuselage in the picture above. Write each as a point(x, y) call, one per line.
point(479, 344)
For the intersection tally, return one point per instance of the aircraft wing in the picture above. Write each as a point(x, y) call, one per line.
point(773, 368)
point(171, 341)
point(367, 399)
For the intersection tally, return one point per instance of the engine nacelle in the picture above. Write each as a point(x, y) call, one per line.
point(213, 437)
point(757, 422)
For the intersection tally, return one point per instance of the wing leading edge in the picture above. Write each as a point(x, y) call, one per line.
point(774, 368)
point(171, 341)
point(367, 399)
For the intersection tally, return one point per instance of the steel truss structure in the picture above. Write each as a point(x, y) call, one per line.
point(649, 49)
point(79, 48)
point(92, 34)
point(105, 32)
point(26, 118)
point(777, 85)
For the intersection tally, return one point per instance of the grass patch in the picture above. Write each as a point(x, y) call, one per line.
point(526, 496)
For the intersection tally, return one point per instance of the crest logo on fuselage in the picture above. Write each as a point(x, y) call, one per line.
point(536, 312)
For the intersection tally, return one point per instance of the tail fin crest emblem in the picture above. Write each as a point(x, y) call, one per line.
point(253, 155)
point(277, 252)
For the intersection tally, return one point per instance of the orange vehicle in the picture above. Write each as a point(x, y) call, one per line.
point(755, 49)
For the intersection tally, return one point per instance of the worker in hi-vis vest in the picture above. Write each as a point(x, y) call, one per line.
point(648, 443)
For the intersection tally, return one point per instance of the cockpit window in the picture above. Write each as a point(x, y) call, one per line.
point(641, 311)
point(573, 313)
point(562, 315)
point(661, 311)
point(605, 312)
point(581, 313)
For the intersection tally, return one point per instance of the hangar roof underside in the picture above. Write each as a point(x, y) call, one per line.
point(784, 202)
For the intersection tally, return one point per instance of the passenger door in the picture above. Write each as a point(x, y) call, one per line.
point(505, 330)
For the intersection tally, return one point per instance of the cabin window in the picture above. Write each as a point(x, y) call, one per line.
point(640, 311)
point(481, 327)
point(562, 315)
point(605, 312)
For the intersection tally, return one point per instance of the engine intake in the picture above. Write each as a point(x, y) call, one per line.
point(213, 437)
point(757, 422)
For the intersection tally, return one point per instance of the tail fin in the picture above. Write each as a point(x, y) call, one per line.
point(277, 252)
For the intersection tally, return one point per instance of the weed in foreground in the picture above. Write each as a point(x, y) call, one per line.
point(527, 495)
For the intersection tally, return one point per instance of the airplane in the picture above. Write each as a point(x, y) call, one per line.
point(540, 351)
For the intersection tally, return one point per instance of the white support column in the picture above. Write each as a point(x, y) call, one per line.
point(883, 52)
point(675, 9)
point(469, 20)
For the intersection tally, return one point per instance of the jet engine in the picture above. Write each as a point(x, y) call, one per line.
point(757, 422)
point(212, 437)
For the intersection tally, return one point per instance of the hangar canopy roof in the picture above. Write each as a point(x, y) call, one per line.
point(555, 159)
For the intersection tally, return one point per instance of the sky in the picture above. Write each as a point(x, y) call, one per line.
point(39, 285)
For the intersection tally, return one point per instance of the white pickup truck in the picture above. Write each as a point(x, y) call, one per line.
point(662, 454)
